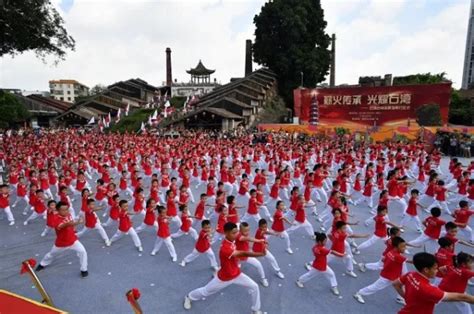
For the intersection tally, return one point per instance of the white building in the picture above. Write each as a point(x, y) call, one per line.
point(67, 90)
point(200, 83)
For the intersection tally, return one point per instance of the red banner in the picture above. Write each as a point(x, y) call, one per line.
point(374, 106)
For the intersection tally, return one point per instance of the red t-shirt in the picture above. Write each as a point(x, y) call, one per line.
point(185, 223)
point(241, 245)
point(252, 209)
point(433, 227)
point(163, 227)
point(4, 201)
point(257, 246)
point(320, 253)
point(171, 207)
point(411, 210)
point(338, 238)
point(444, 257)
point(199, 213)
point(91, 218)
point(420, 296)
point(462, 215)
point(65, 236)
point(300, 214)
point(392, 265)
point(203, 243)
point(229, 264)
point(124, 221)
point(380, 226)
point(456, 279)
point(278, 223)
point(150, 217)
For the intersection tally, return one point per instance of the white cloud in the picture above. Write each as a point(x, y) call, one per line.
point(117, 40)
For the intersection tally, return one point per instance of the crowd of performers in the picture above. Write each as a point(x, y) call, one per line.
point(73, 183)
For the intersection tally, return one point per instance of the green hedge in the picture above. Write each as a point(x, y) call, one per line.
point(132, 122)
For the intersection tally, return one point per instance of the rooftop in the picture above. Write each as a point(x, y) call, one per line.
point(200, 69)
point(66, 82)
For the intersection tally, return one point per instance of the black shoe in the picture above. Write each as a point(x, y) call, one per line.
point(39, 267)
point(84, 273)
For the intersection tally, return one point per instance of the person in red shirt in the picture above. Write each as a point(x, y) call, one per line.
point(261, 246)
point(66, 239)
point(39, 207)
point(278, 225)
point(114, 212)
point(125, 226)
point(242, 243)
point(50, 216)
point(229, 272)
point(164, 235)
point(456, 277)
point(393, 267)
point(380, 233)
point(300, 219)
point(203, 246)
point(5, 203)
point(440, 197)
point(123, 185)
point(411, 214)
point(92, 222)
point(461, 219)
point(444, 257)
point(415, 287)
point(200, 211)
point(150, 217)
point(432, 232)
point(186, 224)
point(252, 209)
point(320, 265)
point(21, 193)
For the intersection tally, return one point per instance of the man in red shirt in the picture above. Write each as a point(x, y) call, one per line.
point(432, 232)
point(420, 296)
point(229, 273)
point(66, 239)
point(203, 246)
point(393, 266)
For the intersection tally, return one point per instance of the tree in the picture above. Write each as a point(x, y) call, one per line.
point(290, 39)
point(12, 111)
point(420, 78)
point(461, 111)
point(428, 115)
point(97, 89)
point(33, 25)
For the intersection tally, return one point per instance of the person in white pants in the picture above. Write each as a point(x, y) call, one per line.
point(125, 226)
point(393, 268)
point(461, 219)
point(66, 239)
point(380, 233)
point(5, 203)
point(203, 246)
point(229, 272)
point(432, 232)
point(319, 266)
point(92, 222)
point(261, 245)
point(164, 235)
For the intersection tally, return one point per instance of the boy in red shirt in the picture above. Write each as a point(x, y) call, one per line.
point(393, 267)
point(66, 239)
point(420, 296)
point(39, 207)
point(461, 219)
point(411, 214)
point(50, 217)
point(203, 246)
point(5, 203)
point(92, 222)
point(320, 265)
point(125, 226)
point(163, 235)
point(432, 232)
point(253, 206)
point(186, 224)
point(261, 246)
point(278, 225)
point(229, 272)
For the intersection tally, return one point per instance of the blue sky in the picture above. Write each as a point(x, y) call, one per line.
point(121, 39)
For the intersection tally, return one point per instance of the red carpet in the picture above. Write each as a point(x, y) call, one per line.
point(11, 303)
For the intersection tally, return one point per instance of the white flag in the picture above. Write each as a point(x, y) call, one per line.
point(91, 121)
point(127, 109)
point(167, 104)
point(149, 120)
point(142, 127)
point(119, 113)
point(155, 115)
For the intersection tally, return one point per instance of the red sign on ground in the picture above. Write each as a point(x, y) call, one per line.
point(385, 105)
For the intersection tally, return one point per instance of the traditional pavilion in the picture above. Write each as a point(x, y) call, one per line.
point(200, 74)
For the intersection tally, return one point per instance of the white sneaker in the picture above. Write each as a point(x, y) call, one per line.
point(319, 219)
point(43, 234)
point(140, 249)
point(308, 266)
point(187, 303)
point(419, 231)
point(359, 298)
point(182, 264)
point(175, 259)
point(407, 252)
point(215, 268)
point(355, 251)
point(352, 274)
point(323, 229)
point(289, 251)
point(400, 300)
point(257, 312)
point(335, 290)
point(24, 223)
point(470, 282)
point(299, 284)
point(108, 243)
point(11, 223)
point(264, 282)
point(280, 275)
point(25, 213)
point(362, 267)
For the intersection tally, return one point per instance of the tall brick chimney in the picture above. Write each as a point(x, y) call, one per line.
point(169, 76)
point(332, 74)
point(248, 57)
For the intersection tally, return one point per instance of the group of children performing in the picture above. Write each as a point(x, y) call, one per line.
point(280, 187)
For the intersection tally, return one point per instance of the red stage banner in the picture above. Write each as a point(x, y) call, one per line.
point(373, 106)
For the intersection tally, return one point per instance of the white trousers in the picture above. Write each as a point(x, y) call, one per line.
point(194, 254)
point(284, 235)
point(97, 227)
point(328, 273)
point(378, 285)
point(248, 217)
point(132, 233)
point(192, 232)
point(76, 246)
point(305, 225)
point(216, 285)
point(168, 243)
point(33, 215)
point(409, 218)
point(371, 241)
point(269, 257)
point(347, 260)
point(431, 245)
point(467, 232)
point(8, 212)
point(143, 226)
point(256, 263)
